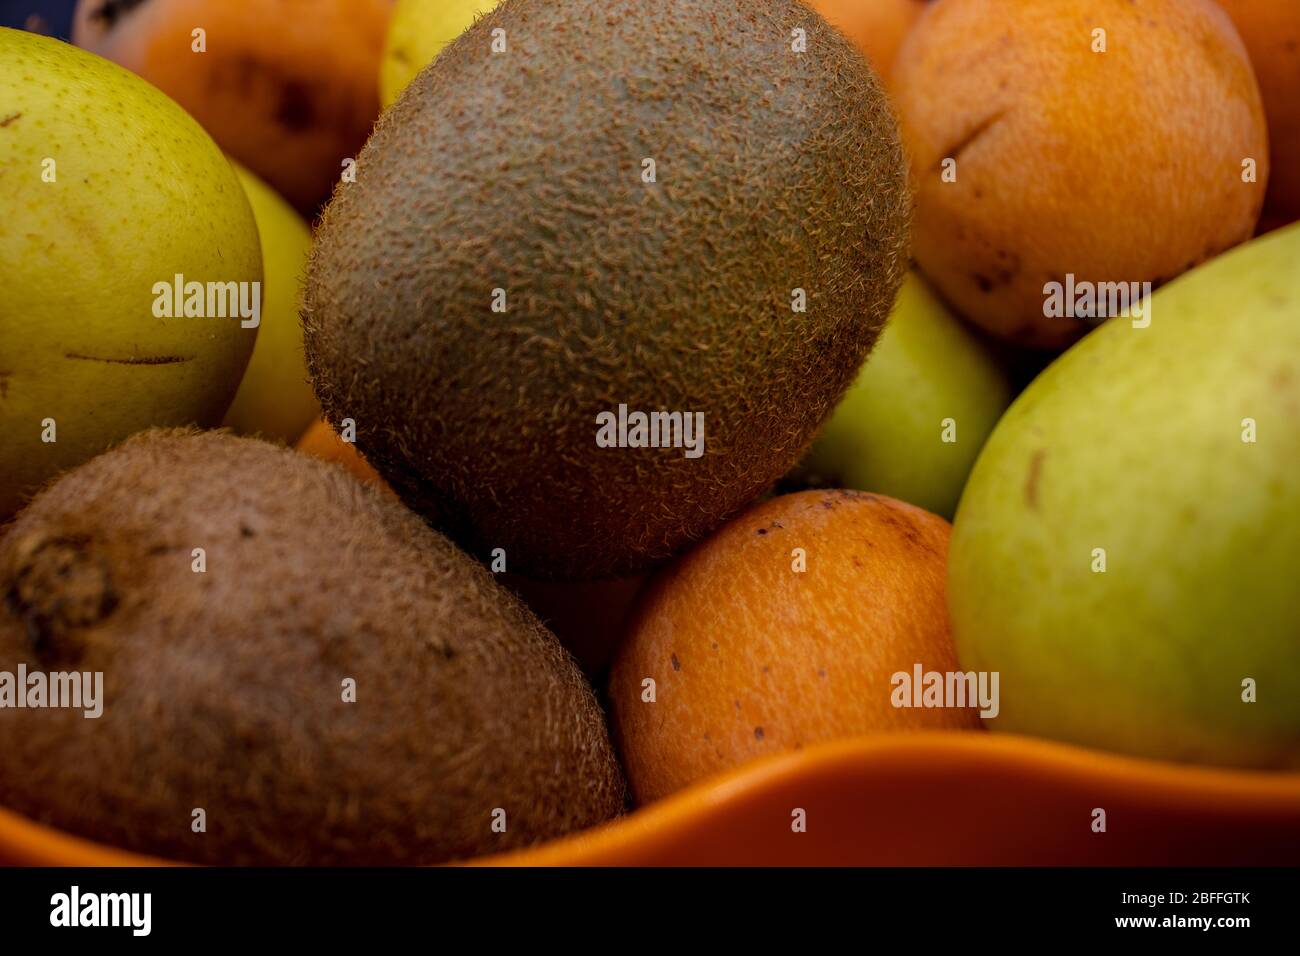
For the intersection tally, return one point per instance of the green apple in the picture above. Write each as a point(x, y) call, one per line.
point(275, 399)
point(417, 33)
point(913, 423)
point(108, 192)
point(1126, 552)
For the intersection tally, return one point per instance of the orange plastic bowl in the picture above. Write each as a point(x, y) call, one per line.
point(966, 799)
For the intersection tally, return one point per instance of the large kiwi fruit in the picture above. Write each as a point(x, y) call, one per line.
point(509, 264)
point(224, 670)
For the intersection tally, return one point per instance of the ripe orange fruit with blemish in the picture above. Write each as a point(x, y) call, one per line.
point(1271, 31)
point(750, 656)
point(290, 88)
point(876, 27)
point(1096, 138)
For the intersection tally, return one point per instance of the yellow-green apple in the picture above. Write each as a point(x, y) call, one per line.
point(275, 399)
point(124, 230)
point(913, 423)
point(1125, 553)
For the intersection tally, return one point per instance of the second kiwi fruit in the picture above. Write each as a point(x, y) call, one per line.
point(293, 653)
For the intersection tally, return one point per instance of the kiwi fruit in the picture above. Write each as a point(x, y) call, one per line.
point(687, 206)
point(225, 671)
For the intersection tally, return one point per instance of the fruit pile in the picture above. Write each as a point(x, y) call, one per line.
point(647, 347)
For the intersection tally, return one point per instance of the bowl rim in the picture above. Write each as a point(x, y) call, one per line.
point(1193, 786)
point(1188, 786)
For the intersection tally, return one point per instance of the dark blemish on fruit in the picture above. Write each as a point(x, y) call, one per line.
point(956, 149)
point(821, 672)
point(4, 384)
point(891, 517)
point(441, 647)
point(12, 118)
point(737, 705)
point(1002, 276)
point(758, 733)
point(761, 531)
point(111, 11)
point(714, 645)
point(677, 665)
point(294, 110)
point(833, 498)
point(1031, 479)
point(246, 532)
point(766, 669)
point(135, 360)
point(58, 588)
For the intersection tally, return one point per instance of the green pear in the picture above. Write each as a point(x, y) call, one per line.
point(1125, 554)
point(913, 423)
point(275, 400)
point(108, 192)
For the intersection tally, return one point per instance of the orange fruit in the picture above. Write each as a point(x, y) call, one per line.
point(1120, 165)
point(321, 441)
point(876, 27)
point(749, 655)
point(290, 88)
point(1271, 31)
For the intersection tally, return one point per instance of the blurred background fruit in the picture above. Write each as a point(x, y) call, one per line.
point(47, 17)
point(1124, 553)
point(322, 441)
point(289, 88)
point(750, 655)
point(1271, 31)
point(876, 27)
point(1116, 166)
point(108, 188)
point(417, 33)
point(913, 423)
point(275, 399)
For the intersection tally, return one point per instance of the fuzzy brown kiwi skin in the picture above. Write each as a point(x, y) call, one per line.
point(521, 171)
point(223, 689)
